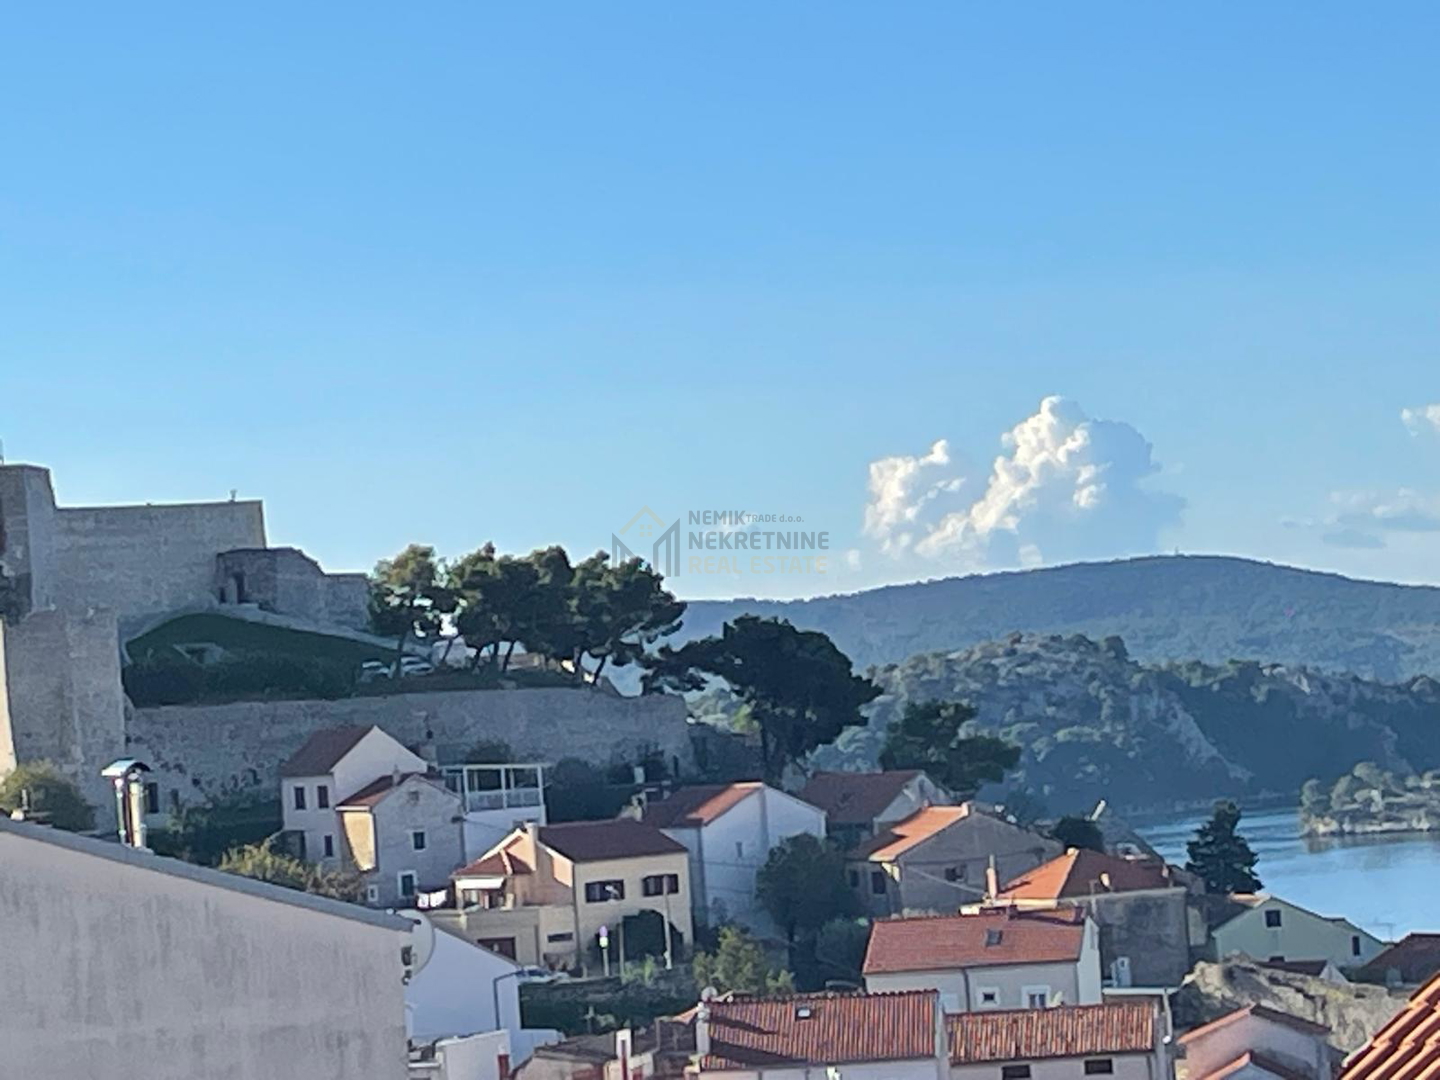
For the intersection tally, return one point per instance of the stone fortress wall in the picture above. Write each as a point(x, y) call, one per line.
point(84, 577)
point(197, 751)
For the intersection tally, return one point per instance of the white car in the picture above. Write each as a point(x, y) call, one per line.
point(413, 665)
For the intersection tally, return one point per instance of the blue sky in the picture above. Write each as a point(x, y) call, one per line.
point(462, 273)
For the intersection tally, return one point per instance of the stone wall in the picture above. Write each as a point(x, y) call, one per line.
point(199, 750)
point(27, 533)
point(60, 697)
point(289, 582)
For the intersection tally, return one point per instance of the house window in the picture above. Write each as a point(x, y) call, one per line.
point(417, 839)
point(329, 847)
point(877, 882)
point(322, 797)
point(1036, 997)
point(1014, 1072)
point(1354, 944)
point(660, 884)
point(739, 849)
point(556, 939)
point(953, 873)
point(299, 796)
point(372, 894)
point(988, 996)
point(152, 800)
point(406, 880)
point(1272, 917)
point(598, 892)
point(854, 879)
point(1099, 1067)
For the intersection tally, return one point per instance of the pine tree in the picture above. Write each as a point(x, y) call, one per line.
point(1220, 855)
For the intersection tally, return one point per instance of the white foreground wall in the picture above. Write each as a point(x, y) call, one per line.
point(130, 966)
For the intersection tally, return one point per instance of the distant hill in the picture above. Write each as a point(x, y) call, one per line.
point(1183, 607)
point(1093, 722)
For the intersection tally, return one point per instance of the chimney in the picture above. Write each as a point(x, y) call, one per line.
point(1105, 881)
point(702, 1023)
point(992, 880)
point(128, 777)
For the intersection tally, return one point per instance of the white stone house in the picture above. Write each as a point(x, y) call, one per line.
point(729, 831)
point(133, 966)
point(1259, 1043)
point(1121, 1040)
point(1269, 928)
point(989, 960)
point(898, 1036)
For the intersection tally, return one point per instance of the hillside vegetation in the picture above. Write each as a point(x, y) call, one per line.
point(1205, 608)
point(1093, 721)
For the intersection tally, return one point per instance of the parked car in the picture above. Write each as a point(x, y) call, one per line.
point(540, 975)
point(414, 665)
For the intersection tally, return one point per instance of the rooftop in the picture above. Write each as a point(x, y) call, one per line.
point(1408, 1047)
point(1416, 957)
point(498, 863)
point(691, 807)
point(1263, 1012)
point(822, 1029)
point(985, 939)
point(1081, 872)
point(855, 798)
point(377, 790)
point(596, 841)
point(144, 860)
point(323, 750)
point(1258, 1060)
point(915, 829)
point(1067, 1031)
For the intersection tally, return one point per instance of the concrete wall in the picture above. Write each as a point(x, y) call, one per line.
point(926, 1069)
point(1307, 1054)
point(1150, 928)
point(130, 973)
point(60, 698)
point(1125, 1066)
point(197, 749)
point(455, 993)
point(1301, 935)
point(962, 850)
point(417, 805)
point(472, 1057)
point(960, 991)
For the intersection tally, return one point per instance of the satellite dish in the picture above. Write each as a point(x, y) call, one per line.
point(422, 940)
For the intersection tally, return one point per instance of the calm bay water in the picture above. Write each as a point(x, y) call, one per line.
point(1386, 884)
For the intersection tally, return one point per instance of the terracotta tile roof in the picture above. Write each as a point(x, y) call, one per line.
point(991, 938)
point(1080, 872)
point(1259, 1061)
point(1408, 1047)
point(1264, 1012)
point(856, 798)
point(377, 790)
point(691, 807)
point(822, 1029)
point(322, 750)
point(1067, 1031)
point(915, 829)
point(596, 841)
point(499, 863)
point(1416, 957)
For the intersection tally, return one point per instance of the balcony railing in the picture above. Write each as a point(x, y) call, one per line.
point(497, 787)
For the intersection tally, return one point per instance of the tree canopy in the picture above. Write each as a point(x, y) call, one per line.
point(929, 736)
point(1220, 855)
point(47, 796)
point(1078, 832)
point(802, 885)
point(738, 965)
point(800, 689)
point(264, 862)
point(409, 596)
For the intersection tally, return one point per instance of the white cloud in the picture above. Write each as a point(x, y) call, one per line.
point(1424, 419)
point(1066, 487)
point(1360, 517)
point(898, 493)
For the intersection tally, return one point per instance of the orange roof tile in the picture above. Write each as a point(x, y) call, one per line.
point(990, 938)
point(1080, 872)
point(822, 1029)
point(1408, 1047)
point(1067, 1031)
point(500, 863)
point(915, 829)
point(1416, 957)
point(689, 807)
point(856, 798)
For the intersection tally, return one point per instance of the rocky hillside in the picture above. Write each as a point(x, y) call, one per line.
point(1166, 608)
point(1095, 722)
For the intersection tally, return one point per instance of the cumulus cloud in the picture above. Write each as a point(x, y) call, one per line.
point(1066, 487)
point(1424, 419)
point(900, 488)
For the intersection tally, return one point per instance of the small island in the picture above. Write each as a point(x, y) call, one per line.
point(1369, 799)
